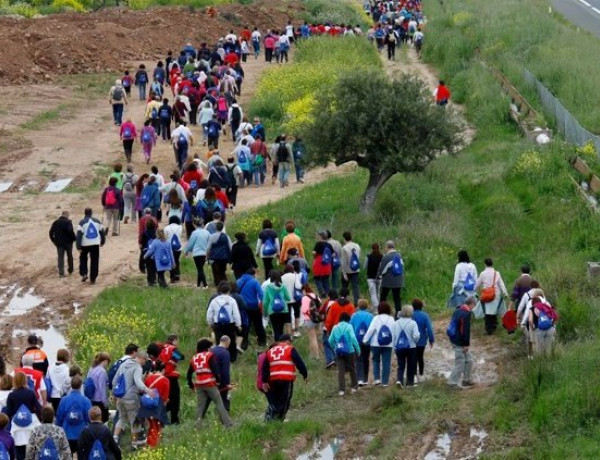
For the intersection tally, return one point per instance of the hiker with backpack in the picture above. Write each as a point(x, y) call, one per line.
point(360, 321)
point(252, 293)
point(299, 154)
point(189, 213)
point(542, 320)
point(129, 196)
point(284, 158)
point(111, 202)
point(521, 287)
point(24, 410)
point(372, 263)
point(391, 37)
point(48, 441)
point(58, 376)
point(213, 129)
point(35, 378)
point(161, 252)
point(391, 273)
point(426, 334)
point(145, 238)
point(234, 118)
point(465, 277)
point(245, 161)
point(209, 206)
point(128, 136)
point(90, 236)
point(336, 263)
point(96, 384)
point(218, 253)
point(441, 94)
point(197, 245)
point(165, 115)
point(205, 114)
point(275, 304)
point(242, 257)
point(127, 81)
point(148, 139)
point(267, 246)
point(182, 140)
point(459, 333)
point(7, 443)
point(117, 99)
point(40, 358)
point(322, 260)
point(418, 41)
point(224, 318)
point(312, 318)
point(62, 236)
point(258, 149)
point(343, 340)
point(152, 408)
point(350, 260)
point(141, 81)
point(72, 414)
point(127, 384)
point(491, 297)
point(406, 335)
point(380, 337)
point(235, 179)
point(150, 198)
point(203, 378)
point(174, 235)
point(290, 241)
point(170, 356)
point(96, 440)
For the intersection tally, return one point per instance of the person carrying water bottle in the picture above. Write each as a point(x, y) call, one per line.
point(347, 349)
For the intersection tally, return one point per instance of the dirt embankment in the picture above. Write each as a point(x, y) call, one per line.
point(35, 50)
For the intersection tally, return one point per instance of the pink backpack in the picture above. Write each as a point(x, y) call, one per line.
point(222, 104)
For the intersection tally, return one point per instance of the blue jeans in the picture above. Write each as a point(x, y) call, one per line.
point(256, 172)
point(181, 153)
point(382, 357)
point(284, 173)
point(142, 91)
point(299, 171)
point(118, 113)
point(322, 283)
point(329, 354)
point(352, 281)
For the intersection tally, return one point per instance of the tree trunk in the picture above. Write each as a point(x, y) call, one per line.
point(376, 181)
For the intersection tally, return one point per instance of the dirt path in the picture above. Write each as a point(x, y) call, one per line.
point(79, 148)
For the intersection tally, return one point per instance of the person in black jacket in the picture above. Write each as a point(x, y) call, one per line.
point(463, 361)
point(62, 236)
point(242, 257)
point(97, 430)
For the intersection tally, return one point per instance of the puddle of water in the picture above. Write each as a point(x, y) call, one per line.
point(20, 303)
point(442, 448)
point(53, 339)
point(4, 186)
point(58, 185)
point(29, 184)
point(320, 452)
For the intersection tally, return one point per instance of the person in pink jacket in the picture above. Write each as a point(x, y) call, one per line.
point(148, 139)
point(128, 135)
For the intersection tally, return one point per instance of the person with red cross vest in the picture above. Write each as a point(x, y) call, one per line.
point(170, 356)
point(278, 376)
point(203, 377)
point(35, 378)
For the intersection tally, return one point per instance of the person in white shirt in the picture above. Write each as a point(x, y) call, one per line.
point(182, 140)
point(174, 235)
point(284, 47)
point(256, 42)
point(350, 259)
point(59, 377)
point(223, 317)
point(465, 277)
point(488, 278)
point(523, 315)
point(289, 32)
point(230, 37)
point(406, 335)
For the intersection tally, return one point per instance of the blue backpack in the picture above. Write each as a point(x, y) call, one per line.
point(175, 243)
point(182, 140)
point(242, 157)
point(142, 78)
point(164, 113)
point(342, 348)
point(120, 388)
point(97, 452)
point(278, 305)
point(154, 113)
point(303, 277)
point(469, 282)
point(269, 248)
point(384, 337)
point(91, 232)
point(326, 257)
point(150, 402)
point(452, 330)
point(544, 322)
point(3, 452)
point(48, 383)
point(146, 196)
point(146, 136)
point(75, 415)
point(212, 130)
point(335, 260)
point(23, 416)
point(397, 265)
point(298, 294)
point(113, 371)
point(354, 262)
point(223, 315)
point(48, 450)
point(402, 343)
point(127, 133)
point(89, 388)
point(361, 331)
point(163, 256)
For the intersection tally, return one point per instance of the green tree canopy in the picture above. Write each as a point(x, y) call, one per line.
point(387, 126)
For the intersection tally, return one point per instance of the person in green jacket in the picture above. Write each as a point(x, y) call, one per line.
point(275, 303)
point(346, 347)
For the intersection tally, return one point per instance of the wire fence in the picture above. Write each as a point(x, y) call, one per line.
point(566, 123)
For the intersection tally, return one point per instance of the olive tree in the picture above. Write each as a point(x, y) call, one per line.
point(386, 126)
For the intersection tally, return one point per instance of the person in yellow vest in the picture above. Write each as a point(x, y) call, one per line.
point(203, 377)
point(278, 376)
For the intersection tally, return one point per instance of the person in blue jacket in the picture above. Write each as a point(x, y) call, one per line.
point(73, 413)
point(360, 321)
point(161, 252)
point(426, 330)
point(343, 341)
point(252, 293)
point(151, 196)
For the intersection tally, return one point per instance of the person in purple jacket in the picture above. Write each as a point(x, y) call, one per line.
point(161, 252)
point(98, 376)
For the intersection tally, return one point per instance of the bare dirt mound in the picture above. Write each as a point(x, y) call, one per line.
point(36, 50)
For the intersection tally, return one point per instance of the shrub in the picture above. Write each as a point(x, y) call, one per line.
point(69, 5)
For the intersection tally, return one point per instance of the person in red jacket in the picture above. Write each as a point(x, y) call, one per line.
point(442, 94)
point(203, 377)
point(157, 418)
point(170, 356)
point(111, 202)
point(340, 306)
point(278, 376)
point(37, 377)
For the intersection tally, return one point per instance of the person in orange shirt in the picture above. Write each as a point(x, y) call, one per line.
point(290, 241)
point(341, 305)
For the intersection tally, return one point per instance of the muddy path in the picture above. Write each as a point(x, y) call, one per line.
point(81, 146)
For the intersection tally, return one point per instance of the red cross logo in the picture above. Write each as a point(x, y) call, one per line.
point(277, 352)
point(201, 360)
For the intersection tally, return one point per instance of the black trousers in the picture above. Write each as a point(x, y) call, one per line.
point(255, 320)
point(230, 331)
point(491, 323)
point(176, 272)
point(128, 148)
point(94, 253)
point(200, 261)
point(232, 194)
point(279, 397)
point(189, 228)
point(219, 268)
point(268, 263)
point(396, 295)
point(407, 359)
point(62, 251)
point(152, 274)
point(420, 359)
point(174, 399)
point(142, 261)
point(278, 320)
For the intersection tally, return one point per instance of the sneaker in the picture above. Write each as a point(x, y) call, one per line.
point(361, 383)
point(302, 181)
point(399, 383)
point(385, 385)
point(377, 382)
point(453, 385)
point(116, 439)
point(330, 364)
point(341, 393)
point(417, 379)
point(353, 390)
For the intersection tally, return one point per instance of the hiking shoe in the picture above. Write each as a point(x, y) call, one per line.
point(399, 383)
point(361, 383)
point(330, 365)
point(341, 393)
point(453, 385)
point(385, 385)
point(377, 382)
